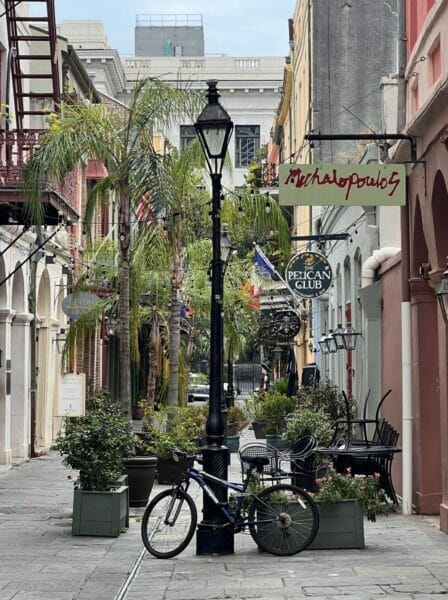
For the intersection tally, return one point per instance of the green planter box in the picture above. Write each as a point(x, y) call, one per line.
point(100, 513)
point(277, 441)
point(341, 526)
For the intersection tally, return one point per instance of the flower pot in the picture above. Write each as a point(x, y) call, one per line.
point(277, 441)
point(141, 472)
point(138, 412)
point(100, 513)
point(232, 442)
point(259, 429)
point(341, 526)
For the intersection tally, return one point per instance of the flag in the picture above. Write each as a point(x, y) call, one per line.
point(253, 292)
point(264, 266)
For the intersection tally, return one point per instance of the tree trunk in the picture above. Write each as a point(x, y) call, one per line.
point(153, 361)
point(124, 303)
point(174, 328)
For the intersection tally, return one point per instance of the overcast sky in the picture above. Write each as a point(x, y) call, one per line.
point(232, 27)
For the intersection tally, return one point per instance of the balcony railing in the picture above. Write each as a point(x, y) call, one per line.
point(269, 174)
point(16, 146)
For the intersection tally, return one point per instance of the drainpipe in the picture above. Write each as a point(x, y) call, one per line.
point(32, 299)
point(374, 262)
point(406, 358)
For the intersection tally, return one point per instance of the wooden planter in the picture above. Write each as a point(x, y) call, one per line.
point(100, 513)
point(141, 472)
point(259, 429)
point(341, 526)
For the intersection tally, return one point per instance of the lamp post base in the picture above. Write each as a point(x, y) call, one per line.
point(211, 536)
point(214, 541)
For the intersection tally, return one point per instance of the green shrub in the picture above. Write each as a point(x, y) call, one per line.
point(173, 427)
point(96, 445)
point(308, 422)
point(325, 397)
point(236, 420)
point(274, 409)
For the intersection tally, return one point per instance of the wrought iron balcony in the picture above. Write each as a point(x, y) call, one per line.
point(269, 174)
point(59, 198)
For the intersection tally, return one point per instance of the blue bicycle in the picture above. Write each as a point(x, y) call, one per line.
point(282, 519)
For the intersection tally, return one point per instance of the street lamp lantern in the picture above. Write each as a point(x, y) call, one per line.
point(214, 128)
point(339, 337)
point(350, 337)
point(60, 340)
point(227, 248)
point(331, 342)
point(323, 344)
point(442, 294)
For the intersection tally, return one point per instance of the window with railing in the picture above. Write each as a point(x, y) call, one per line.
point(247, 142)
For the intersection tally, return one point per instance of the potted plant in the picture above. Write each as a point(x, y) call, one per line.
point(253, 407)
point(236, 420)
point(274, 410)
point(343, 499)
point(138, 411)
point(95, 445)
point(168, 428)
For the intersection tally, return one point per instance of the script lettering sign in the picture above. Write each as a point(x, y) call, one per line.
point(338, 185)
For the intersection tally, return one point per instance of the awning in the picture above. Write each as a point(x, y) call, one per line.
point(96, 170)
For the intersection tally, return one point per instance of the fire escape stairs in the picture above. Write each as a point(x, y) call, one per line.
point(32, 40)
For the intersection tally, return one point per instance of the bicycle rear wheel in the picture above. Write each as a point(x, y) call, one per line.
point(168, 523)
point(283, 520)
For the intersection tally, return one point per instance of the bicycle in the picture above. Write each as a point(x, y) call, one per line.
point(282, 518)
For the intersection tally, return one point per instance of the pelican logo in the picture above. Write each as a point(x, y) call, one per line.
point(308, 274)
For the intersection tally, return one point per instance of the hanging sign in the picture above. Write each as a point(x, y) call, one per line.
point(339, 185)
point(74, 305)
point(308, 274)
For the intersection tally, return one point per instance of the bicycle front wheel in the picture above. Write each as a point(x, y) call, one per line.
point(283, 520)
point(168, 523)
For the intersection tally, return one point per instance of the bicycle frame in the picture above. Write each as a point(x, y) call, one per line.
point(201, 478)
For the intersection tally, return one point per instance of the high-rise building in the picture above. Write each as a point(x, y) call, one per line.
point(169, 35)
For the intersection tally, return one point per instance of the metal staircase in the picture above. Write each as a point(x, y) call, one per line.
point(32, 41)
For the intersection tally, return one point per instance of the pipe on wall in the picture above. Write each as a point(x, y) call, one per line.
point(371, 265)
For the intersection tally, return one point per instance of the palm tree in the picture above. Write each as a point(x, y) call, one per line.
point(123, 140)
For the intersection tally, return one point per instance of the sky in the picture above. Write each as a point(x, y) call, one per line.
point(232, 27)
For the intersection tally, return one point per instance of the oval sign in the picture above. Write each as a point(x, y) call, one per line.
point(74, 305)
point(308, 274)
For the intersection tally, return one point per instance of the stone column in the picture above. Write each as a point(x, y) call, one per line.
point(20, 386)
point(6, 317)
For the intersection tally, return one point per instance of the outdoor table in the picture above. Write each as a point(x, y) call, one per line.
point(364, 460)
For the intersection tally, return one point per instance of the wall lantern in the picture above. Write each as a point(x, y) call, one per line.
point(323, 344)
point(331, 342)
point(349, 337)
point(442, 294)
point(60, 340)
point(339, 337)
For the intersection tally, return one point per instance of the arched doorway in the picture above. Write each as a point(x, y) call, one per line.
point(425, 409)
point(439, 253)
point(5, 345)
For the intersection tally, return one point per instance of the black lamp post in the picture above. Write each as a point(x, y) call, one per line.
point(214, 128)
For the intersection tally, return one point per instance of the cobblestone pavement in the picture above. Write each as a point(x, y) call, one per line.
point(405, 558)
